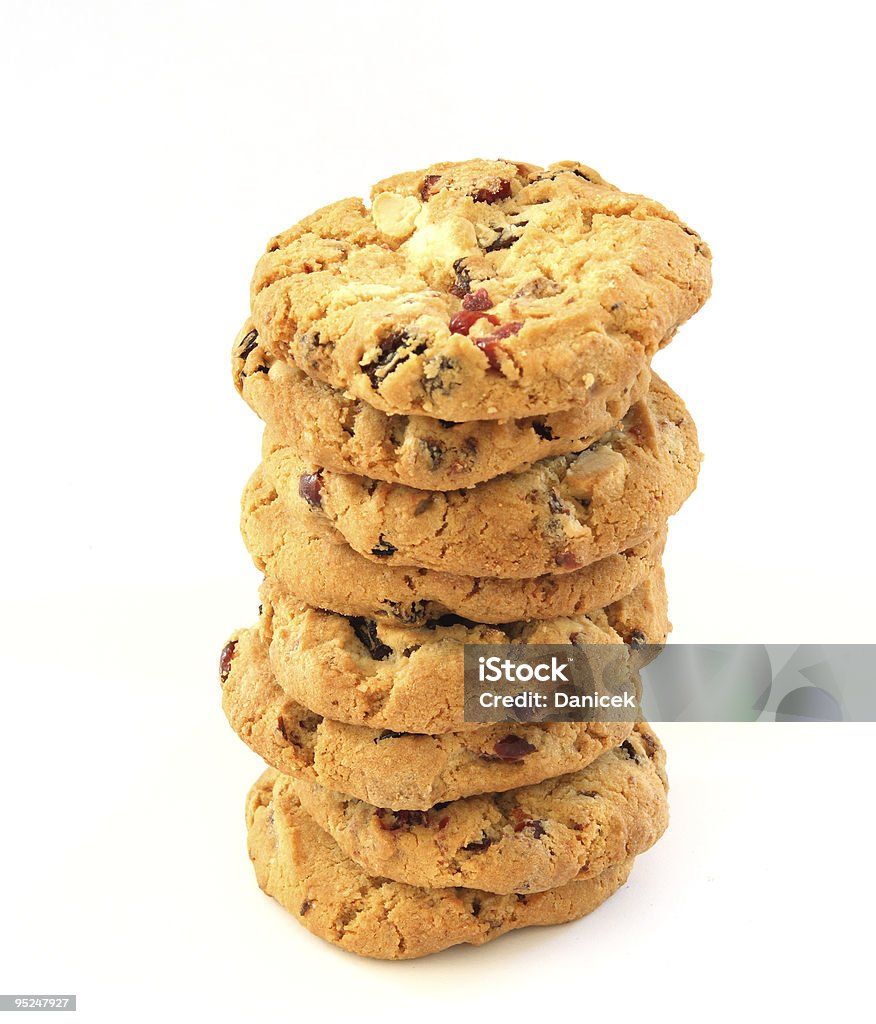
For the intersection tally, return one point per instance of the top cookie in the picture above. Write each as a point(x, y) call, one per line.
point(480, 290)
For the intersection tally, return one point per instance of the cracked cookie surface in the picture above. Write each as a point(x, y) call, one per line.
point(302, 867)
point(524, 840)
point(480, 290)
point(347, 435)
point(309, 558)
point(402, 771)
point(388, 675)
point(559, 515)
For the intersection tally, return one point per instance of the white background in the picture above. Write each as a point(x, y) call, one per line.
point(149, 151)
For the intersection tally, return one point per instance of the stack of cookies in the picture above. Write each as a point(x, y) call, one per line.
point(464, 444)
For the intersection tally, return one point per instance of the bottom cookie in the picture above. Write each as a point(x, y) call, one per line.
point(305, 871)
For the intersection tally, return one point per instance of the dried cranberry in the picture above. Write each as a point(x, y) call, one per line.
point(310, 488)
point(513, 748)
point(465, 319)
point(225, 659)
point(523, 823)
point(477, 300)
point(490, 345)
point(567, 560)
point(493, 193)
point(444, 822)
point(391, 821)
point(427, 189)
point(366, 633)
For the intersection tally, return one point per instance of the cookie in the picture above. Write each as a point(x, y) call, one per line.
point(563, 513)
point(347, 435)
point(525, 840)
point(302, 867)
point(382, 674)
point(309, 558)
point(481, 290)
point(402, 771)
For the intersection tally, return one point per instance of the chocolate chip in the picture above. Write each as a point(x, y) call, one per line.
point(248, 344)
point(309, 341)
point(383, 549)
point(521, 897)
point(305, 906)
point(427, 189)
point(447, 424)
point(225, 659)
point(310, 488)
point(614, 307)
point(412, 614)
point(513, 748)
point(630, 751)
point(502, 241)
point(261, 369)
point(535, 828)
point(435, 451)
point(462, 285)
point(388, 734)
point(394, 349)
point(556, 503)
point(493, 193)
point(441, 375)
point(475, 907)
point(543, 430)
point(366, 633)
point(479, 845)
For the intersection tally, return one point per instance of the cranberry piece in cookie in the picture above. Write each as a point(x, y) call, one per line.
point(493, 193)
point(225, 659)
point(465, 319)
point(310, 488)
point(513, 748)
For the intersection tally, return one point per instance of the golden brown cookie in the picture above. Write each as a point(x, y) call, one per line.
point(402, 771)
point(345, 434)
point(302, 867)
point(388, 675)
point(481, 290)
point(562, 513)
point(312, 561)
point(524, 840)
